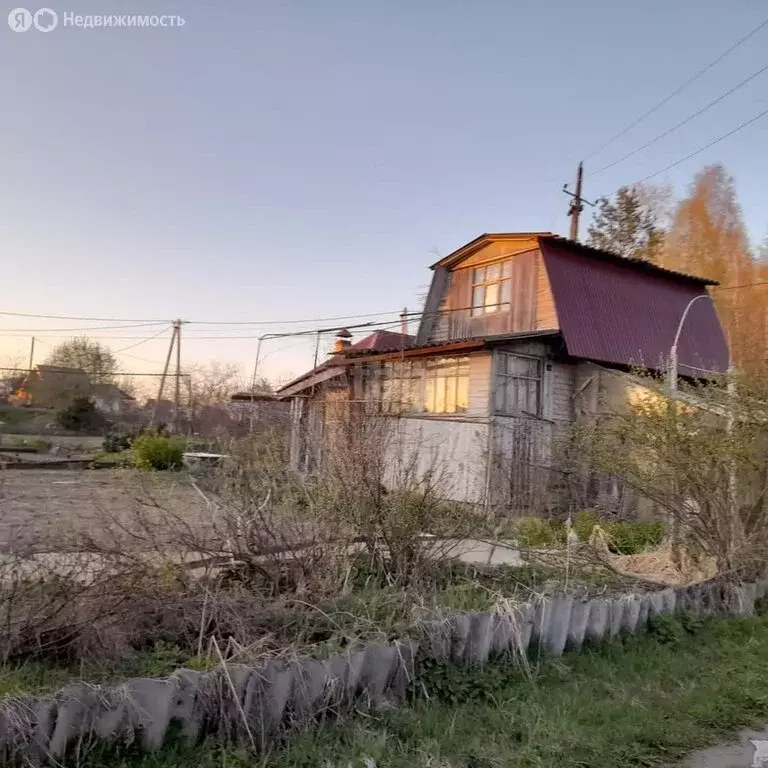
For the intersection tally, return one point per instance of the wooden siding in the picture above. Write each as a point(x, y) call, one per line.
point(563, 377)
point(546, 311)
point(558, 380)
point(432, 321)
point(440, 328)
point(452, 452)
point(499, 250)
point(480, 382)
point(521, 316)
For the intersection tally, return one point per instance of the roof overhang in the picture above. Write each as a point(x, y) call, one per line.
point(461, 346)
point(489, 237)
point(307, 381)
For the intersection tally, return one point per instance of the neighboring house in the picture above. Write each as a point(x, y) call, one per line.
point(51, 386)
point(112, 400)
point(259, 411)
point(522, 336)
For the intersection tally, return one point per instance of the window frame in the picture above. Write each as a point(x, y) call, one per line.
point(412, 387)
point(502, 379)
point(459, 378)
point(497, 283)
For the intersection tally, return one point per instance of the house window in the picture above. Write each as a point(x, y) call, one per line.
point(491, 288)
point(518, 385)
point(416, 386)
point(401, 386)
point(447, 385)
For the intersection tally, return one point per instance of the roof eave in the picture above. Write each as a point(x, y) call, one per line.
point(474, 245)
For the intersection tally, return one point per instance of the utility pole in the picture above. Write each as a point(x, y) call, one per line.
point(404, 322)
point(177, 394)
point(577, 203)
point(164, 375)
point(32, 355)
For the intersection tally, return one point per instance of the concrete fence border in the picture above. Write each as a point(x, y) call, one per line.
point(257, 705)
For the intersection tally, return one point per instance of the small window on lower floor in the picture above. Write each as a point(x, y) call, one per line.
point(447, 385)
point(517, 388)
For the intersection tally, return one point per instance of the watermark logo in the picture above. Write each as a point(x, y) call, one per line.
point(46, 20)
point(19, 19)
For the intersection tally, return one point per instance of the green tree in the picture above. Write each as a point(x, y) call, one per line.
point(88, 355)
point(630, 224)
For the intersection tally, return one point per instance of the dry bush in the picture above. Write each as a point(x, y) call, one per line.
point(701, 459)
point(388, 492)
point(252, 564)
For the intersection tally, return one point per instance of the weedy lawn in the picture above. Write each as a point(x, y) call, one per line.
point(640, 701)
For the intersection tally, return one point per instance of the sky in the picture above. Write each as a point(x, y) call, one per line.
point(274, 161)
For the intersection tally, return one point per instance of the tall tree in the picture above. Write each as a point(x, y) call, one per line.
point(708, 238)
point(631, 224)
point(88, 355)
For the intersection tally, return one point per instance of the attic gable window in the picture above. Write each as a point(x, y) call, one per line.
point(491, 288)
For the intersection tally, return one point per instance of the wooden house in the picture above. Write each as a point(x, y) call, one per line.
point(521, 336)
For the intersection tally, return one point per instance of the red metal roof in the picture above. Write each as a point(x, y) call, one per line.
point(383, 341)
point(614, 311)
point(378, 341)
point(613, 258)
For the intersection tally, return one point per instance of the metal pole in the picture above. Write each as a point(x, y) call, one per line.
point(672, 371)
point(253, 383)
point(317, 349)
point(32, 355)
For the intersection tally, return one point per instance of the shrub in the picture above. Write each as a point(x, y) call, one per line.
point(80, 416)
point(117, 442)
point(536, 532)
point(624, 538)
point(154, 451)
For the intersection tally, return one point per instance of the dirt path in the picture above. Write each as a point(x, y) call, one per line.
point(36, 505)
point(748, 750)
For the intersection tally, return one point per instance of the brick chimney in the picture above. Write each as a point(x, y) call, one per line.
point(343, 341)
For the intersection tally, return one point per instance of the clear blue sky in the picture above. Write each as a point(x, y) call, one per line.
point(304, 159)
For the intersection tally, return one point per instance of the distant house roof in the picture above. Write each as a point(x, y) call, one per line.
point(60, 370)
point(247, 397)
point(626, 312)
point(110, 392)
point(383, 341)
point(378, 341)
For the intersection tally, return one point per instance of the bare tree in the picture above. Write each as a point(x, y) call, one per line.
point(700, 458)
point(86, 355)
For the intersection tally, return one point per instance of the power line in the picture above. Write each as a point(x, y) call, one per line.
point(70, 330)
point(291, 322)
point(149, 338)
point(744, 285)
point(698, 151)
point(84, 319)
point(679, 89)
point(195, 322)
point(682, 122)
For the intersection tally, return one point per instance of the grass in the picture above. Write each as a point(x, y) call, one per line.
point(119, 459)
point(13, 442)
point(645, 701)
point(32, 678)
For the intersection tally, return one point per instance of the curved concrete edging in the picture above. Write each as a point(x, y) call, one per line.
point(256, 705)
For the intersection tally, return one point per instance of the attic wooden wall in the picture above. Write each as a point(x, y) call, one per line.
point(532, 304)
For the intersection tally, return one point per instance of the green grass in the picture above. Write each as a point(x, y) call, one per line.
point(36, 677)
point(646, 701)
